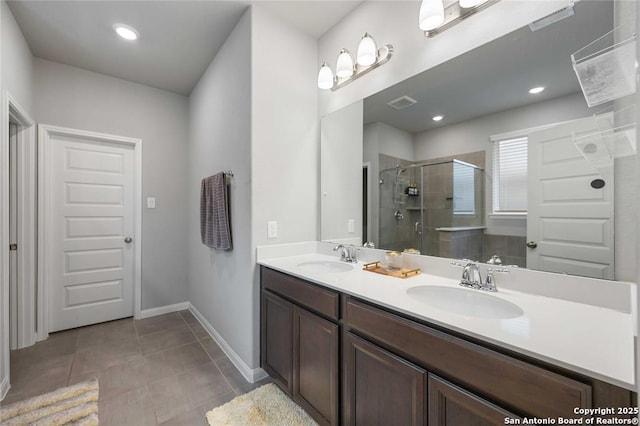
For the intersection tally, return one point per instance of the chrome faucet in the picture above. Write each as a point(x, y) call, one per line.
point(347, 254)
point(471, 278)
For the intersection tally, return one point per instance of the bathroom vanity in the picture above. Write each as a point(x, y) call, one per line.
point(356, 348)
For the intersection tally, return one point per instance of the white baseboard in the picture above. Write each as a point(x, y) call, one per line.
point(160, 310)
point(4, 388)
point(251, 374)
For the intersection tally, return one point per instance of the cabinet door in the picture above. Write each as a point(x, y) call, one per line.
point(276, 339)
point(381, 388)
point(450, 405)
point(316, 365)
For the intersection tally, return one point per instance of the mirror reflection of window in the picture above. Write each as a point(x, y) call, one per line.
point(463, 188)
point(510, 176)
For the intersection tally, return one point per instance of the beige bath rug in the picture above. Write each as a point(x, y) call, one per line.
point(265, 406)
point(73, 405)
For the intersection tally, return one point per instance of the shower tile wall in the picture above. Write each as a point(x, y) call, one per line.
point(462, 244)
point(437, 200)
point(438, 205)
point(512, 250)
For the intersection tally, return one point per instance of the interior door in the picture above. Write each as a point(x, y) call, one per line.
point(13, 235)
point(91, 257)
point(570, 214)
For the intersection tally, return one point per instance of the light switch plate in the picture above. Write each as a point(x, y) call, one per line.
point(151, 202)
point(272, 229)
point(351, 226)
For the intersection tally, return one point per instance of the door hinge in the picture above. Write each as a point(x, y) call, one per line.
point(13, 247)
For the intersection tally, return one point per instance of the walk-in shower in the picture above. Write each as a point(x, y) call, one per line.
point(437, 209)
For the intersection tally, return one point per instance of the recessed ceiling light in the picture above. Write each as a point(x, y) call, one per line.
point(438, 117)
point(126, 32)
point(536, 90)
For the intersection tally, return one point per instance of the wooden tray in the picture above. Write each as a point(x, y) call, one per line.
point(397, 273)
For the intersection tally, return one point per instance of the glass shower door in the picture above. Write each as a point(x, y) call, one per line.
point(400, 209)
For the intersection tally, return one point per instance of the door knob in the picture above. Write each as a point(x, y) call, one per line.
point(128, 240)
point(532, 244)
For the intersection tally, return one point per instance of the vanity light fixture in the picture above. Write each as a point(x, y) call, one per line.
point(126, 32)
point(325, 77)
point(536, 90)
point(369, 57)
point(344, 67)
point(433, 22)
point(438, 117)
point(466, 4)
point(367, 51)
point(431, 14)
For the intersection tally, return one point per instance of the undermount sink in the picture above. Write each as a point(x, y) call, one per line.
point(461, 301)
point(330, 266)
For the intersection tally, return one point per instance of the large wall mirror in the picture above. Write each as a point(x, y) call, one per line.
point(462, 161)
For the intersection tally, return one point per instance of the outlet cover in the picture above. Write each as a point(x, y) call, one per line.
point(272, 229)
point(151, 202)
point(351, 226)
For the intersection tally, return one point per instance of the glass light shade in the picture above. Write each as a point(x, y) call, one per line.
point(467, 4)
point(431, 14)
point(344, 67)
point(367, 51)
point(325, 77)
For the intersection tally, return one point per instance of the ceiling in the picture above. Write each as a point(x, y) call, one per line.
point(497, 76)
point(178, 39)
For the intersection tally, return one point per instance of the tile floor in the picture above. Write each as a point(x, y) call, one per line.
point(161, 370)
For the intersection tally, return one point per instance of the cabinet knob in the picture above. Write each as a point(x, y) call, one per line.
point(532, 244)
point(128, 240)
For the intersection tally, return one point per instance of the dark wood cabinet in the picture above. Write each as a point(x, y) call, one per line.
point(450, 405)
point(300, 344)
point(277, 339)
point(348, 361)
point(381, 388)
point(316, 365)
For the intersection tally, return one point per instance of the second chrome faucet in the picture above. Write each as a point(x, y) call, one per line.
point(471, 278)
point(347, 254)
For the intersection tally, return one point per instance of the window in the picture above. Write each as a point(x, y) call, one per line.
point(510, 176)
point(463, 188)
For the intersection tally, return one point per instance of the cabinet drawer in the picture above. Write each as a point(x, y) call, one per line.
point(506, 381)
point(320, 300)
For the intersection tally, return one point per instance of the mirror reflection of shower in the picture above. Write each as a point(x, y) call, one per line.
point(435, 209)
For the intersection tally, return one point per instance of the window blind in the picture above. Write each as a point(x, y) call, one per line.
point(463, 189)
point(510, 176)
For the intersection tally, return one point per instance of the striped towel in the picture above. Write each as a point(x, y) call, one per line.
point(215, 226)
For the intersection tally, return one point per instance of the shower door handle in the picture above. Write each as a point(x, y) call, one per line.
point(417, 228)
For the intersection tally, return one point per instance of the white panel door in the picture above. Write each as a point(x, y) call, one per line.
point(92, 252)
point(569, 222)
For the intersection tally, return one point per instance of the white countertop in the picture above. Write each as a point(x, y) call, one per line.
point(590, 340)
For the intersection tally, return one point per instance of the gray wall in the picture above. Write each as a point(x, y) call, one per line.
point(17, 68)
point(71, 97)
point(285, 154)
point(341, 170)
point(221, 283)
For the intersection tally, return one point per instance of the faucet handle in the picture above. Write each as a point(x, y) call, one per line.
point(353, 254)
point(490, 284)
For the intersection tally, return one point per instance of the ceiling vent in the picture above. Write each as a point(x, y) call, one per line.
point(552, 18)
point(402, 103)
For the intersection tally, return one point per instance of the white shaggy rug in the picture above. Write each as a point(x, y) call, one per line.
point(73, 405)
point(265, 406)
